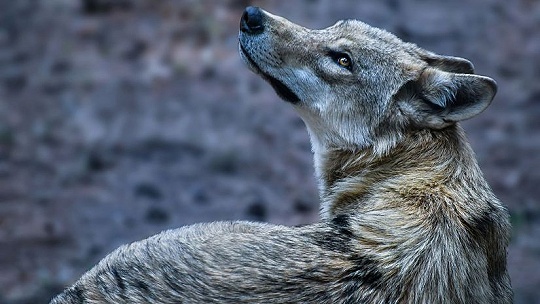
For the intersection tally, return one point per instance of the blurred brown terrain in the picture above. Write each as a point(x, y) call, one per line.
point(119, 119)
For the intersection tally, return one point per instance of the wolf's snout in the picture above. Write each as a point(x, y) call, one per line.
point(252, 20)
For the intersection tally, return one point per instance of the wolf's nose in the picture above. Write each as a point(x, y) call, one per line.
point(252, 20)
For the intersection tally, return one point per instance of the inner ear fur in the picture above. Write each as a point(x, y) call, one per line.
point(438, 99)
point(448, 63)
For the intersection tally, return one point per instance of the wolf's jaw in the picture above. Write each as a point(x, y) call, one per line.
point(281, 89)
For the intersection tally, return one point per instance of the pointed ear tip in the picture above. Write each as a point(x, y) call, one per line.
point(467, 67)
point(492, 84)
point(449, 63)
point(490, 90)
point(483, 81)
point(470, 66)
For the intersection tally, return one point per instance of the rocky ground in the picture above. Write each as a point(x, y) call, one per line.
point(119, 119)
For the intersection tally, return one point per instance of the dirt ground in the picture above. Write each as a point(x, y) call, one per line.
point(119, 119)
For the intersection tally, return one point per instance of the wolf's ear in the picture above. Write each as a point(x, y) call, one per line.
point(438, 99)
point(448, 63)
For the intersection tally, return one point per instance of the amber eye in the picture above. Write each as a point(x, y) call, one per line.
point(344, 62)
point(342, 59)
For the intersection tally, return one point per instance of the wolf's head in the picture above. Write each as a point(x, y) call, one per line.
point(356, 86)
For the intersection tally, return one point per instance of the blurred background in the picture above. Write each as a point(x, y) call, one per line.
point(119, 119)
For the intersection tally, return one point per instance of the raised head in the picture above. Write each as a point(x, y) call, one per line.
point(356, 86)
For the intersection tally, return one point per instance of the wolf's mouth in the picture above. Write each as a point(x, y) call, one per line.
point(281, 89)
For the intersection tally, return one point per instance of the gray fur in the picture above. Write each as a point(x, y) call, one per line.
point(407, 216)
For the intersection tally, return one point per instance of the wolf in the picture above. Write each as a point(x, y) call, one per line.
point(406, 214)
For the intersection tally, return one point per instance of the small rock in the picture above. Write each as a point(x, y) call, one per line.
point(156, 215)
point(257, 211)
point(148, 190)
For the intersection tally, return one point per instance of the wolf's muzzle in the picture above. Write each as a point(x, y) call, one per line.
point(252, 24)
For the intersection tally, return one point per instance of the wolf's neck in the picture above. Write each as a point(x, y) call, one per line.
point(424, 164)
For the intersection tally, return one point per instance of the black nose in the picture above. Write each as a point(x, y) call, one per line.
point(252, 20)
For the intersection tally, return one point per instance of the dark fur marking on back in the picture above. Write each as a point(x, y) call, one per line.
point(342, 224)
point(338, 238)
point(483, 222)
point(119, 280)
point(142, 286)
point(77, 294)
point(365, 272)
point(333, 241)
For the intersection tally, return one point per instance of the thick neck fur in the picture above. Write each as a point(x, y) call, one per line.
point(425, 211)
point(437, 163)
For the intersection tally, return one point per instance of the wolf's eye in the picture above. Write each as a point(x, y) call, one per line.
point(344, 62)
point(343, 59)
